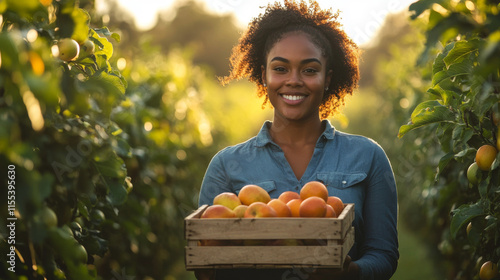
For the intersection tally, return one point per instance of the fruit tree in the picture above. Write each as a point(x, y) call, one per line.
point(93, 147)
point(463, 109)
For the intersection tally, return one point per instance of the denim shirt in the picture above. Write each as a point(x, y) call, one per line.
point(353, 167)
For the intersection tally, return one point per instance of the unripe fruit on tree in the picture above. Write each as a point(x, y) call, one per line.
point(68, 49)
point(485, 156)
point(472, 173)
point(80, 253)
point(97, 216)
point(87, 48)
point(46, 217)
point(489, 270)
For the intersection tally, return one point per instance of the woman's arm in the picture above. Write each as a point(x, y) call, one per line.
point(379, 248)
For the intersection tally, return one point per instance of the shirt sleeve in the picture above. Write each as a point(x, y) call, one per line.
point(379, 251)
point(214, 182)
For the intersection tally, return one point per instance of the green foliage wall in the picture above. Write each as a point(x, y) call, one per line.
point(462, 114)
point(104, 154)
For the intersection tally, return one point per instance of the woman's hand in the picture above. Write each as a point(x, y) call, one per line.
point(349, 271)
point(204, 274)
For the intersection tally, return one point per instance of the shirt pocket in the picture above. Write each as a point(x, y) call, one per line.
point(269, 186)
point(341, 180)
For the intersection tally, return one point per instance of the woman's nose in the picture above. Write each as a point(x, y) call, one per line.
point(294, 79)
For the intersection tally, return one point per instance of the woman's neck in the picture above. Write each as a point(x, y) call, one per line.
point(296, 133)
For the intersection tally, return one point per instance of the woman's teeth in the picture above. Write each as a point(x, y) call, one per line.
point(294, 97)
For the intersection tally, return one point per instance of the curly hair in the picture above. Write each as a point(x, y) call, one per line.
point(326, 33)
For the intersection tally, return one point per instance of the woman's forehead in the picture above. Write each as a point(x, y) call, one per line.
point(295, 45)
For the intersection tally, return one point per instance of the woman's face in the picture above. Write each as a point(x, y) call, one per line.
point(295, 74)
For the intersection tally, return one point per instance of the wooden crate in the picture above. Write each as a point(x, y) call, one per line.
point(321, 242)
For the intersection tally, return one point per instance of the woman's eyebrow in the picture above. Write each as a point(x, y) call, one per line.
point(305, 61)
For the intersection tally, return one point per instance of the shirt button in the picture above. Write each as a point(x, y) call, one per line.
point(296, 188)
point(344, 182)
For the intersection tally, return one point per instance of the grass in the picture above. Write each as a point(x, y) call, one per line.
point(415, 261)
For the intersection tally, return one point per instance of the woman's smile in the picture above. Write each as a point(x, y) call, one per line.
point(293, 99)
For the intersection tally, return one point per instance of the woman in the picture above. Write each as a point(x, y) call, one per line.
point(304, 65)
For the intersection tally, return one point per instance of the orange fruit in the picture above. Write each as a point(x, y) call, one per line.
point(485, 156)
point(218, 211)
point(314, 188)
point(228, 199)
point(330, 213)
point(259, 210)
point(280, 207)
point(294, 206)
point(489, 270)
point(313, 207)
point(336, 203)
point(240, 210)
point(288, 195)
point(253, 193)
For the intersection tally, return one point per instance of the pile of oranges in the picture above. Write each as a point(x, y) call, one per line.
point(254, 202)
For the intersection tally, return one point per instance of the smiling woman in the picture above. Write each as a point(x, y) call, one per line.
point(304, 64)
point(296, 78)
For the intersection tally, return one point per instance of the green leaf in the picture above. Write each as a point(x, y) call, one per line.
point(421, 6)
point(122, 148)
point(9, 52)
point(448, 97)
point(109, 164)
point(457, 69)
point(112, 82)
point(483, 187)
point(446, 30)
point(116, 36)
point(442, 164)
point(465, 152)
point(461, 134)
point(439, 65)
point(426, 113)
point(117, 192)
point(105, 48)
point(444, 134)
point(463, 215)
point(474, 235)
point(82, 208)
point(461, 50)
point(81, 29)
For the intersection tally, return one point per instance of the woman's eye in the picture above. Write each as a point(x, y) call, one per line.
point(310, 70)
point(279, 69)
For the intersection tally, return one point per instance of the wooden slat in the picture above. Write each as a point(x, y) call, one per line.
point(264, 255)
point(269, 228)
point(348, 242)
point(331, 256)
point(197, 213)
point(347, 217)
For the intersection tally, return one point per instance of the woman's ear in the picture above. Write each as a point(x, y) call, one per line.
point(328, 79)
point(263, 71)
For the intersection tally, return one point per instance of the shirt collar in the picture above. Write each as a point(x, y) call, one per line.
point(264, 137)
